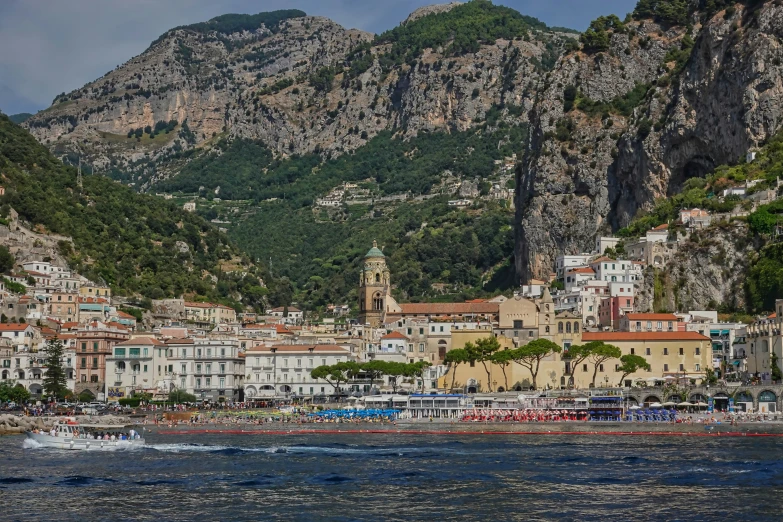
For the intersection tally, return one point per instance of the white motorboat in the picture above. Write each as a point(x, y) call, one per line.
point(75, 436)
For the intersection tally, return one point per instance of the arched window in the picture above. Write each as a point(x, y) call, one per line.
point(136, 368)
point(547, 308)
point(377, 277)
point(546, 329)
point(560, 327)
point(121, 366)
point(576, 327)
point(568, 327)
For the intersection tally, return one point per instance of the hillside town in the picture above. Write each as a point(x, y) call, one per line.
point(221, 356)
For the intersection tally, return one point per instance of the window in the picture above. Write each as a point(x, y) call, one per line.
point(84, 347)
point(208, 382)
point(666, 367)
point(659, 325)
point(666, 351)
point(600, 367)
point(209, 352)
point(222, 383)
point(633, 351)
point(568, 327)
point(638, 325)
point(198, 352)
point(682, 351)
point(208, 366)
point(682, 367)
point(584, 367)
point(697, 367)
point(95, 347)
point(184, 353)
point(530, 333)
point(184, 368)
point(421, 347)
point(198, 382)
point(299, 363)
point(198, 368)
point(421, 331)
point(546, 329)
point(119, 352)
point(84, 362)
point(410, 348)
point(145, 368)
point(647, 351)
point(559, 327)
point(323, 362)
point(223, 352)
point(94, 362)
point(146, 352)
point(222, 368)
point(698, 351)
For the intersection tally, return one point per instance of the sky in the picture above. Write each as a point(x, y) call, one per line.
point(53, 46)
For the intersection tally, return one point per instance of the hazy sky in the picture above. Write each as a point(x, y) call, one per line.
point(53, 46)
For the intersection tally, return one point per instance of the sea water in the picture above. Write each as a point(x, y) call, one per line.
point(398, 477)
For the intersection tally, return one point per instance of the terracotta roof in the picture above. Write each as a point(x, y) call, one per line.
point(303, 348)
point(773, 315)
point(652, 317)
point(476, 301)
point(124, 315)
point(394, 335)
point(282, 309)
point(179, 341)
point(70, 325)
point(13, 327)
point(643, 336)
point(279, 328)
point(93, 300)
point(602, 259)
point(662, 227)
point(118, 326)
point(449, 308)
point(141, 341)
point(582, 270)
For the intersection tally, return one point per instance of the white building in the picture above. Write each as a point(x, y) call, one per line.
point(132, 368)
point(291, 315)
point(578, 277)
point(602, 243)
point(190, 206)
point(284, 370)
point(391, 347)
point(616, 270)
point(563, 263)
point(210, 368)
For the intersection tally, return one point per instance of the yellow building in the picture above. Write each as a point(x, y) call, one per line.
point(209, 313)
point(95, 291)
point(670, 354)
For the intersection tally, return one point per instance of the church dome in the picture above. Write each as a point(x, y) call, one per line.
point(374, 251)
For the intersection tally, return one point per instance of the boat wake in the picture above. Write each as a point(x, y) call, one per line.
point(277, 450)
point(31, 444)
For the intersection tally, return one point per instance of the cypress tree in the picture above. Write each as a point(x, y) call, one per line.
point(55, 382)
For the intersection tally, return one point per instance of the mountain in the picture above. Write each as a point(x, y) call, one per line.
point(270, 113)
point(307, 140)
point(644, 105)
point(20, 118)
point(141, 245)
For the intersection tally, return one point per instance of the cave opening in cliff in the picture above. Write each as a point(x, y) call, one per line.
point(696, 167)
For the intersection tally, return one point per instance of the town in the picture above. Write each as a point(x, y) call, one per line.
point(549, 337)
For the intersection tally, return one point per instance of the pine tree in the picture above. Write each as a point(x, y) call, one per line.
point(55, 383)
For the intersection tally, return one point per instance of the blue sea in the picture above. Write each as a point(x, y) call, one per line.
point(398, 477)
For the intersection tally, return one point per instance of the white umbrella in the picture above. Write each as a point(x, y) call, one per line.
point(635, 407)
point(685, 404)
point(669, 378)
point(669, 403)
point(701, 404)
point(656, 405)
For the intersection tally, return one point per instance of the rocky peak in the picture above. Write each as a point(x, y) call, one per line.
point(430, 9)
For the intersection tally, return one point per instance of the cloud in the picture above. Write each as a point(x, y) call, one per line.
point(50, 46)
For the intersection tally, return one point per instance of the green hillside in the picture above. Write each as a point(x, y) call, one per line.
point(131, 241)
point(319, 251)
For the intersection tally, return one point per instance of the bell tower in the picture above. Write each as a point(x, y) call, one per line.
point(374, 288)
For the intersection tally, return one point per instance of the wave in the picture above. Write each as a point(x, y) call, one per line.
point(15, 480)
point(338, 449)
point(31, 444)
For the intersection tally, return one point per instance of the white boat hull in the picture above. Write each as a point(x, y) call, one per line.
point(71, 443)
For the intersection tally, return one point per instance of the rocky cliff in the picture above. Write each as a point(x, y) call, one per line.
point(300, 84)
point(710, 90)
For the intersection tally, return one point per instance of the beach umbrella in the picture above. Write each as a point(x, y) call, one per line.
point(685, 404)
point(656, 405)
point(669, 403)
point(635, 407)
point(701, 404)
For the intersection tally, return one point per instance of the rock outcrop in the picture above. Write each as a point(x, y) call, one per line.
point(309, 85)
point(592, 168)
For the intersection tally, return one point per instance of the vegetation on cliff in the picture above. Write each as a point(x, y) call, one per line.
point(136, 243)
